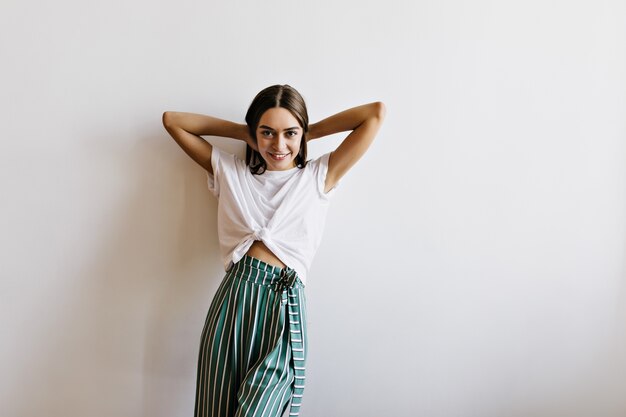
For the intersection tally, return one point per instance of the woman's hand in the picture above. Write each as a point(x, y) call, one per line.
point(312, 133)
point(245, 136)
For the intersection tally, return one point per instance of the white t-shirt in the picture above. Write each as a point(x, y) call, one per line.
point(284, 209)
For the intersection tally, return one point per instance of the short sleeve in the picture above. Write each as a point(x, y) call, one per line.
point(322, 170)
point(226, 167)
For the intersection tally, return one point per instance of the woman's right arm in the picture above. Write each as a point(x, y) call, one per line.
point(186, 129)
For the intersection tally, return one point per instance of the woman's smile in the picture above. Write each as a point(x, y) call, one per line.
point(279, 156)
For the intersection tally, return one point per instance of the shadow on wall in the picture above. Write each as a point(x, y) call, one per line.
point(122, 338)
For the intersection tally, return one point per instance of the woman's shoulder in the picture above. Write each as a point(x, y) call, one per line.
point(320, 161)
point(320, 158)
point(228, 161)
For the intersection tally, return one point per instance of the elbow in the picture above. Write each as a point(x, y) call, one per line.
point(168, 119)
point(380, 110)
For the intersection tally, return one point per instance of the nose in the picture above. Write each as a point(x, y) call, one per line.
point(280, 142)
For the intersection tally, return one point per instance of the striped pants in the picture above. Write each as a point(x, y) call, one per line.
point(253, 345)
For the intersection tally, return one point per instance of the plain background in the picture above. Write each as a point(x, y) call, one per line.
point(473, 262)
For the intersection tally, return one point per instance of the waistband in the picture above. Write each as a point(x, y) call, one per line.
point(259, 272)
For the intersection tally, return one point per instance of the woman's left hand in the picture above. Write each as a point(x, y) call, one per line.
point(245, 136)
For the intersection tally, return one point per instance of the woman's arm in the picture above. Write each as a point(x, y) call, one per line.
point(186, 129)
point(364, 121)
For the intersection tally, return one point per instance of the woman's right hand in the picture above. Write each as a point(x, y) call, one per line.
point(247, 138)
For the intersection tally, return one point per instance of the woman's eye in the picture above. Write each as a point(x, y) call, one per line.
point(292, 133)
point(266, 133)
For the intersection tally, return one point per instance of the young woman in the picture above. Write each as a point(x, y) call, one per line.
point(271, 214)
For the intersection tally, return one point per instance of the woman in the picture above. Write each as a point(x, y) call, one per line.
point(271, 213)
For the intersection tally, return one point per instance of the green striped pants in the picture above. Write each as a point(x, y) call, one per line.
point(253, 345)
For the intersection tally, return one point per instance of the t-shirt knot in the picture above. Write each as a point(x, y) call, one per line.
point(262, 234)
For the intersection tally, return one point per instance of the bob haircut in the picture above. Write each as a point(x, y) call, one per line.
point(276, 96)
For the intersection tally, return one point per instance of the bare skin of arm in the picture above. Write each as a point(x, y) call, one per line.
point(186, 129)
point(364, 121)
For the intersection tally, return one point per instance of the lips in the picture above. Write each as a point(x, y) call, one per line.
point(279, 156)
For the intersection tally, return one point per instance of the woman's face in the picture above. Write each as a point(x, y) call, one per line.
point(278, 138)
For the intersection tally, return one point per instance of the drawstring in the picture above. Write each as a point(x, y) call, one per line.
point(288, 285)
point(287, 280)
point(285, 285)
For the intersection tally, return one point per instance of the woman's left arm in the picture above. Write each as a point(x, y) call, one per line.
point(364, 121)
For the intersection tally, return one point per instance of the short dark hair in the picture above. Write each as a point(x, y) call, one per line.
point(276, 96)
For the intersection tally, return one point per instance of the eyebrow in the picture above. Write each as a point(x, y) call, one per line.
point(267, 127)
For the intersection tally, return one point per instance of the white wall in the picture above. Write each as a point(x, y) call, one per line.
point(473, 263)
